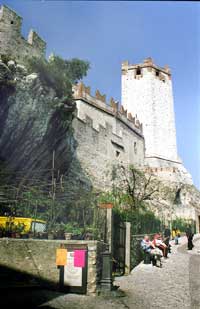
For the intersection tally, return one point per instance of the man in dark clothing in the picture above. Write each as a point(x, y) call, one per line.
point(189, 235)
point(167, 234)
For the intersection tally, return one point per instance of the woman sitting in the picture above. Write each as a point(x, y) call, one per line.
point(158, 243)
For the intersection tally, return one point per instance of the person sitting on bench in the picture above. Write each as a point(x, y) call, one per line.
point(158, 242)
point(149, 248)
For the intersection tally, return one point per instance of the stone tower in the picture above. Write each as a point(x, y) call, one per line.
point(11, 41)
point(147, 92)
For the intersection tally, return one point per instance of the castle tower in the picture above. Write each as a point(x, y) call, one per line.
point(11, 41)
point(147, 92)
point(10, 26)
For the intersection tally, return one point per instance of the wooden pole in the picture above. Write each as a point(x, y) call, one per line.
point(53, 187)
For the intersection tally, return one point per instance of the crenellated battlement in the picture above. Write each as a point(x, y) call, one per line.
point(167, 169)
point(81, 92)
point(11, 41)
point(160, 73)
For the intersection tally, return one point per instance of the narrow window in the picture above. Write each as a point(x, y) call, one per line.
point(138, 71)
point(12, 22)
point(135, 147)
point(157, 73)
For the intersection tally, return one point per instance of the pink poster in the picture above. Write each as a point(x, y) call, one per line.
point(79, 258)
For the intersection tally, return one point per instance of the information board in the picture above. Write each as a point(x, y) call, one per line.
point(72, 274)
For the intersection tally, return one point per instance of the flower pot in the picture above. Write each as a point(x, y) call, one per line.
point(50, 236)
point(68, 235)
point(13, 235)
point(17, 235)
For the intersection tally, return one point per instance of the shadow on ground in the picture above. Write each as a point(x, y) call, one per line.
point(19, 289)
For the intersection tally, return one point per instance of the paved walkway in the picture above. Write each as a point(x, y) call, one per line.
point(175, 285)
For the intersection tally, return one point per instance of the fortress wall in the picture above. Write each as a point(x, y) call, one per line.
point(11, 41)
point(169, 170)
point(104, 141)
point(100, 111)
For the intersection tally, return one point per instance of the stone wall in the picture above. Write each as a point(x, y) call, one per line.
point(11, 41)
point(38, 258)
point(105, 137)
point(168, 170)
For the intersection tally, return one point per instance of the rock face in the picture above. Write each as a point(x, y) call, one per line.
point(176, 200)
point(30, 124)
point(33, 124)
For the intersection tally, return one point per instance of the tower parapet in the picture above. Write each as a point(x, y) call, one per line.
point(148, 65)
point(11, 41)
point(113, 108)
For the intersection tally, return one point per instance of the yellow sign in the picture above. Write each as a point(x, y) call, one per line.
point(61, 257)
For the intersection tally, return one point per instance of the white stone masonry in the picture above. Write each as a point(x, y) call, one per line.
point(150, 97)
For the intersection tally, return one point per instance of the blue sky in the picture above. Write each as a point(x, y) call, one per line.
point(106, 33)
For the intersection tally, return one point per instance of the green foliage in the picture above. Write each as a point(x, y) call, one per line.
point(131, 188)
point(59, 74)
point(181, 224)
point(6, 58)
point(143, 221)
point(106, 197)
point(7, 84)
point(72, 228)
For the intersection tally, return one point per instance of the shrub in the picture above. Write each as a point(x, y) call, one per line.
point(59, 74)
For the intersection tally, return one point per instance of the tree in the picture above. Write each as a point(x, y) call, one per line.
point(59, 74)
point(132, 186)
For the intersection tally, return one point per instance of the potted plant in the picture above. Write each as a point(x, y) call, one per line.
point(50, 231)
point(72, 229)
point(68, 230)
point(106, 201)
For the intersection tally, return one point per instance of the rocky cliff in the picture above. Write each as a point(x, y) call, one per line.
point(175, 200)
point(34, 124)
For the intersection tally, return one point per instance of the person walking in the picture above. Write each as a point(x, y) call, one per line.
point(175, 236)
point(189, 235)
